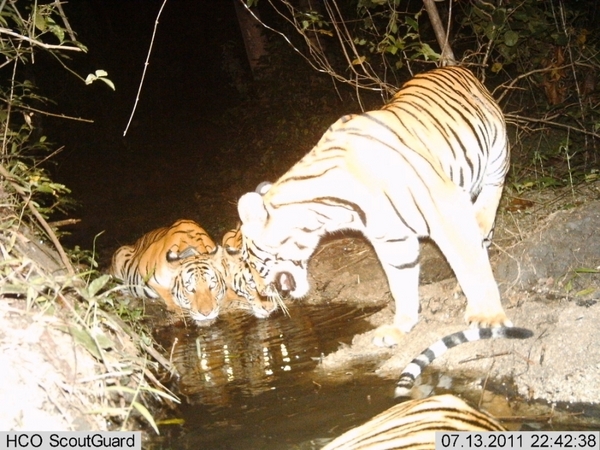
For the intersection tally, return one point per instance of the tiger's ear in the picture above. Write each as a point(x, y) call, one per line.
point(263, 187)
point(252, 209)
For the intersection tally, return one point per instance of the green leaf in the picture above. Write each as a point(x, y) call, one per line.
point(412, 23)
point(83, 338)
point(490, 31)
point(496, 67)
point(99, 75)
point(499, 17)
point(147, 415)
point(586, 270)
point(429, 53)
point(40, 21)
point(59, 32)
point(511, 38)
point(561, 39)
point(173, 421)
point(95, 286)
point(104, 342)
point(586, 291)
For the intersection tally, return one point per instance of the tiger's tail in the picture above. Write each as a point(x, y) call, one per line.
point(414, 369)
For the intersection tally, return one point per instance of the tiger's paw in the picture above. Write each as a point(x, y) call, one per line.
point(483, 320)
point(260, 312)
point(264, 308)
point(387, 336)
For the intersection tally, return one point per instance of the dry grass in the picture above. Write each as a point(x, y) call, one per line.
point(69, 361)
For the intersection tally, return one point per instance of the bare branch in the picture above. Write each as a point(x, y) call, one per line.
point(441, 36)
point(37, 43)
point(146, 64)
point(62, 14)
point(524, 120)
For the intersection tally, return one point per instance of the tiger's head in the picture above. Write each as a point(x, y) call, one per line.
point(198, 286)
point(277, 244)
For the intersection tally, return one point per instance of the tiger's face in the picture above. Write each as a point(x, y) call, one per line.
point(276, 246)
point(198, 286)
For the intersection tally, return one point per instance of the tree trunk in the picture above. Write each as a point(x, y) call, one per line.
point(252, 33)
point(440, 34)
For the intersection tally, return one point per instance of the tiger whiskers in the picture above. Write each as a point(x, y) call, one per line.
point(276, 300)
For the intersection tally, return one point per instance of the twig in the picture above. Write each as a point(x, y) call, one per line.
point(63, 223)
point(518, 118)
point(524, 75)
point(360, 80)
point(65, 20)
point(146, 64)
point(167, 365)
point(38, 43)
point(49, 114)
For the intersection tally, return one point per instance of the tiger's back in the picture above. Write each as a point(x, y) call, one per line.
point(412, 425)
point(179, 264)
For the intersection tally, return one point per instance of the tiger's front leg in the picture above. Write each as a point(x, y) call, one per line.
point(399, 260)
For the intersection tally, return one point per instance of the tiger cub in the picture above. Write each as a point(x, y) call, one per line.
point(179, 264)
point(412, 425)
point(239, 280)
point(414, 369)
point(431, 163)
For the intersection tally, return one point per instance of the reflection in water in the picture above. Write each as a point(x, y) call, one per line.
point(241, 356)
point(249, 383)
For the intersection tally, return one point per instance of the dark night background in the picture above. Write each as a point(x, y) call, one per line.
point(164, 168)
point(196, 143)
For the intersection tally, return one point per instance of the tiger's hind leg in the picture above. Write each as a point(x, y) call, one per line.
point(457, 233)
point(486, 206)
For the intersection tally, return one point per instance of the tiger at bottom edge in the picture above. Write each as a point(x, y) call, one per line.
point(413, 423)
point(179, 264)
point(431, 163)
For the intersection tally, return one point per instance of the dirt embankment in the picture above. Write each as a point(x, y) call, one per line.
point(550, 283)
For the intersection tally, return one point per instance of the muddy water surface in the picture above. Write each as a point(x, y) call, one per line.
point(257, 384)
point(249, 383)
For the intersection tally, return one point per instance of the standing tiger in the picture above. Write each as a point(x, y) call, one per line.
point(180, 264)
point(432, 163)
point(239, 279)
